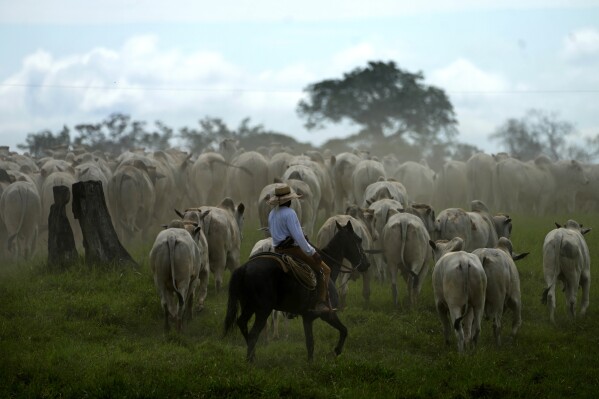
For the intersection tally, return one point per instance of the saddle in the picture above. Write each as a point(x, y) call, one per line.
point(292, 266)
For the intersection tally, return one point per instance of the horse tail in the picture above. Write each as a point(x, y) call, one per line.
point(235, 287)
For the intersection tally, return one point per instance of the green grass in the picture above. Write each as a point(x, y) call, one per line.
point(99, 333)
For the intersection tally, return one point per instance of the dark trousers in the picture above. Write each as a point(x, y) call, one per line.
point(322, 283)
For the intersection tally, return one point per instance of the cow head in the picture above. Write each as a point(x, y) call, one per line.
point(441, 247)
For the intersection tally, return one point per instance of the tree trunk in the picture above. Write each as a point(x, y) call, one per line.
point(102, 245)
point(61, 242)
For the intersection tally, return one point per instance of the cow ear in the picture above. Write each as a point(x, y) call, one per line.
point(432, 244)
point(585, 230)
point(179, 213)
point(508, 220)
point(516, 257)
point(240, 208)
point(164, 226)
point(558, 225)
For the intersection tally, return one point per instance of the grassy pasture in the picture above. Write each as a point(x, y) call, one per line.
point(98, 333)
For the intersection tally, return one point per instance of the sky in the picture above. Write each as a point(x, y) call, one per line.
point(70, 62)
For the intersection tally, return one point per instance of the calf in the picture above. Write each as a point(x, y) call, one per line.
point(459, 286)
point(566, 258)
point(176, 262)
point(503, 284)
point(405, 243)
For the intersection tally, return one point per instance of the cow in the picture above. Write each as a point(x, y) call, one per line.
point(480, 171)
point(384, 188)
point(418, 179)
point(367, 171)
point(405, 242)
point(343, 169)
point(176, 263)
point(21, 211)
point(223, 226)
point(208, 178)
point(477, 227)
point(459, 287)
point(451, 185)
point(246, 178)
point(503, 285)
point(566, 258)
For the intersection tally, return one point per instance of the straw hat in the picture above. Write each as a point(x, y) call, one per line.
point(282, 194)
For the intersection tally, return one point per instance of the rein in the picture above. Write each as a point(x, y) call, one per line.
point(342, 267)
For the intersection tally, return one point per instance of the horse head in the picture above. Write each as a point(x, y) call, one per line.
point(352, 247)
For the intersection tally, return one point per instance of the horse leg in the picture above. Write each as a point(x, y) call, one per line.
point(242, 322)
point(333, 320)
point(259, 324)
point(308, 333)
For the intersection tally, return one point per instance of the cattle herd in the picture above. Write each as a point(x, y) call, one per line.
point(391, 206)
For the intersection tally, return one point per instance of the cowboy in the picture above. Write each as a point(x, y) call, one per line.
point(288, 238)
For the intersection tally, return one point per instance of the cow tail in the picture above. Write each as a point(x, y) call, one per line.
point(235, 287)
point(466, 272)
point(557, 244)
point(23, 211)
point(171, 242)
point(402, 243)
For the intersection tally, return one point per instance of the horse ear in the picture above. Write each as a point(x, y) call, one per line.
point(337, 225)
point(349, 226)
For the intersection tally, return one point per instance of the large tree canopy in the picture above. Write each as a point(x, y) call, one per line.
point(384, 100)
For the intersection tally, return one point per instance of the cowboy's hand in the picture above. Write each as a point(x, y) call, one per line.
point(317, 257)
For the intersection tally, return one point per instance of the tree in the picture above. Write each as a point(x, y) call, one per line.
point(384, 100)
point(37, 143)
point(538, 132)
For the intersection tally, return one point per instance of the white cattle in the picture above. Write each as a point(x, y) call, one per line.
point(480, 171)
point(566, 258)
point(539, 185)
point(459, 286)
point(426, 214)
point(451, 186)
point(247, 177)
point(278, 164)
point(208, 178)
point(367, 171)
point(503, 285)
point(381, 211)
point(406, 248)
point(477, 228)
point(176, 263)
point(223, 226)
point(324, 236)
point(132, 197)
point(20, 211)
point(418, 179)
point(381, 189)
point(343, 170)
point(316, 162)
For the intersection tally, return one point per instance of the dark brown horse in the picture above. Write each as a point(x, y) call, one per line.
point(260, 285)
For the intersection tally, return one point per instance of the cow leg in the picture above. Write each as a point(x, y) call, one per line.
point(571, 290)
point(254, 334)
point(585, 283)
point(217, 265)
point(477, 317)
point(497, 328)
point(203, 288)
point(442, 311)
point(366, 286)
point(167, 327)
point(456, 317)
point(516, 307)
point(394, 294)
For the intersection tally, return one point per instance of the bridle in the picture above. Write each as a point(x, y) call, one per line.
point(343, 268)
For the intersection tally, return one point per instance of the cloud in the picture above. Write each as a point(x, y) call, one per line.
point(133, 11)
point(581, 45)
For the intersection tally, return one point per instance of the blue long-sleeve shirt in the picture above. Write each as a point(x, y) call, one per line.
point(283, 223)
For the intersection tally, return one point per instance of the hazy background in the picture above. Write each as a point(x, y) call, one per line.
point(69, 62)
